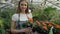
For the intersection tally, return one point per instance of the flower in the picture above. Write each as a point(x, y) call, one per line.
point(38, 23)
point(30, 19)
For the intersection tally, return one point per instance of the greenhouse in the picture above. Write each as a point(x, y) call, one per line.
point(45, 15)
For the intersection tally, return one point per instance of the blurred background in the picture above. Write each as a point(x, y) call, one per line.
point(48, 8)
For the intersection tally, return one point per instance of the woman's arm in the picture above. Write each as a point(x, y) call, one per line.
point(13, 30)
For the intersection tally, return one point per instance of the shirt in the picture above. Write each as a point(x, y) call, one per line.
point(23, 17)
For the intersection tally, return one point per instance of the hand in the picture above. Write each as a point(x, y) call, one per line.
point(27, 30)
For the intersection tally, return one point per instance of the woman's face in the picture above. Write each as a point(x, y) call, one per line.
point(23, 6)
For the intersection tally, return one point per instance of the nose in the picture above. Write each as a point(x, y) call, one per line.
point(24, 7)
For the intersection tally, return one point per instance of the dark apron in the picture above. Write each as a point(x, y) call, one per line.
point(19, 26)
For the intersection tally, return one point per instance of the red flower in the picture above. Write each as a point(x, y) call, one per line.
point(44, 27)
point(57, 26)
point(30, 19)
point(38, 23)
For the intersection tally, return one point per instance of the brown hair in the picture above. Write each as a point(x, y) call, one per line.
point(19, 10)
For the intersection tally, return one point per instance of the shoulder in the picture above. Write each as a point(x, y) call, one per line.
point(29, 15)
point(14, 15)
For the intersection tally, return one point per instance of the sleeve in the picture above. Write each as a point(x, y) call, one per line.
point(30, 15)
point(14, 17)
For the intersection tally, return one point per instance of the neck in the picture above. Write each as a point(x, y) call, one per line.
point(23, 12)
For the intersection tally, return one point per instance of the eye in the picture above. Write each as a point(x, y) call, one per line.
point(22, 4)
point(25, 5)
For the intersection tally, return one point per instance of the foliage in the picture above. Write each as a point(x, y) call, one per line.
point(48, 13)
point(5, 19)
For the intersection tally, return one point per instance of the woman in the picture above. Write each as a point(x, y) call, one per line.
point(20, 17)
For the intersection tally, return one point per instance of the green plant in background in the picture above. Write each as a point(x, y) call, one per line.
point(37, 11)
point(2, 31)
point(51, 14)
point(5, 20)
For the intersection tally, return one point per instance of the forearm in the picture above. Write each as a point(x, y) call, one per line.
point(13, 30)
point(17, 31)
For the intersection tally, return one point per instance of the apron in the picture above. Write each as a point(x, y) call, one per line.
point(19, 25)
